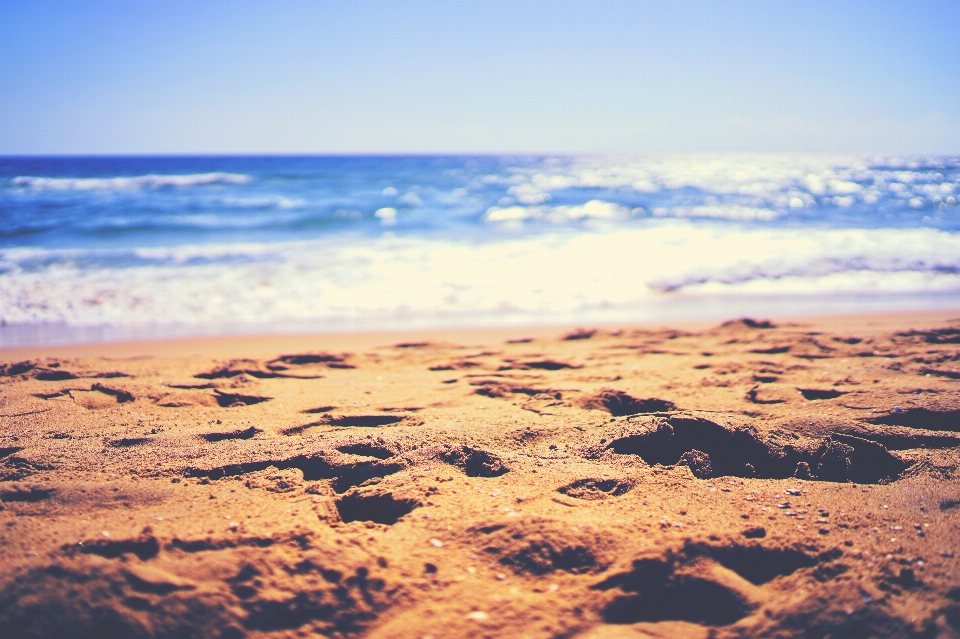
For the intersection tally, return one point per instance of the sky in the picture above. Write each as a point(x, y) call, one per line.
point(478, 76)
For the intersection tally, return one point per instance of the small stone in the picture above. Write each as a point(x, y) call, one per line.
point(793, 491)
point(436, 543)
point(478, 615)
point(824, 531)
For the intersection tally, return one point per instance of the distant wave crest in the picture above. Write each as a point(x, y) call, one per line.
point(152, 181)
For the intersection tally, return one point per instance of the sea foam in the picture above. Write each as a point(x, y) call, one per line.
point(390, 281)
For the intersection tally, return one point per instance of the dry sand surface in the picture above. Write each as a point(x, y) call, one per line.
point(752, 479)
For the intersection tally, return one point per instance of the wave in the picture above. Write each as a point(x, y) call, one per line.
point(268, 202)
point(591, 210)
point(633, 274)
point(778, 181)
point(601, 210)
point(151, 181)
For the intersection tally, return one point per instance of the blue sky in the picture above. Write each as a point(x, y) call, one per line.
point(467, 76)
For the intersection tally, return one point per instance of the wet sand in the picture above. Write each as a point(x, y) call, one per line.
point(750, 479)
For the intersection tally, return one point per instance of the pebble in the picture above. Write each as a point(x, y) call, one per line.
point(824, 531)
point(793, 491)
point(478, 615)
point(436, 543)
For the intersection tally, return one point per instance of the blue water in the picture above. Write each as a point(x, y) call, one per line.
point(103, 248)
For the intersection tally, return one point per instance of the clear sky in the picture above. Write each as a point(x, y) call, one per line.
point(399, 76)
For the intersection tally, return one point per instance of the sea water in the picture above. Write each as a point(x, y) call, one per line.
point(136, 247)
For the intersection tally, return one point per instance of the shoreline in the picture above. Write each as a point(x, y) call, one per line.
point(265, 344)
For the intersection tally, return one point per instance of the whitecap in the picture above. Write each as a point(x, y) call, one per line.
point(126, 183)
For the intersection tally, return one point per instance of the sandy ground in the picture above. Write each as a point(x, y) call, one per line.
point(752, 479)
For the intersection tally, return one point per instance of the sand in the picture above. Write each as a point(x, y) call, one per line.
point(750, 479)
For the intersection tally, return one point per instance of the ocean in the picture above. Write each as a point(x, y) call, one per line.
point(111, 248)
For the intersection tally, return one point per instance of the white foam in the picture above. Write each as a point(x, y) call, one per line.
point(610, 273)
point(410, 199)
point(499, 214)
point(126, 183)
point(770, 180)
point(387, 215)
point(590, 210)
point(279, 202)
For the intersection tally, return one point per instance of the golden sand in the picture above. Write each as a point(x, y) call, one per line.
point(752, 479)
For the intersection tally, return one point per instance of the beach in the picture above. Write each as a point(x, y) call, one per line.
point(775, 477)
point(429, 320)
